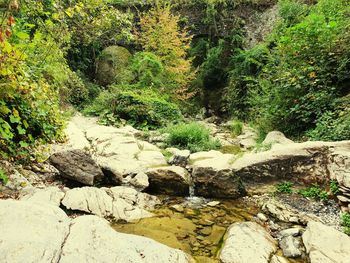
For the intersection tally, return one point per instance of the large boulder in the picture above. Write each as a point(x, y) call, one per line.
point(31, 232)
point(246, 243)
point(43, 233)
point(112, 64)
point(326, 244)
point(120, 154)
point(77, 165)
point(212, 175)
point(276, 137)
point(172, 180)
point(298, 162)
point(117, 203)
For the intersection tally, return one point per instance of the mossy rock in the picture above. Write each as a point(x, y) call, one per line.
point(112, 66)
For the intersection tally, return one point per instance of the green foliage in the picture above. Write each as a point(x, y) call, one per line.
point(192, 136)
point(142, 108)
point(314, 192)
point(112, 66)
point(285, 187)
point(332, 126)
point(3, 177)
point(334, 187)
point(74, 90)
point(246, 65)
point(299, 74)
point(292, 11)
point(236, 128)
point(148, 69)
point(345, 222)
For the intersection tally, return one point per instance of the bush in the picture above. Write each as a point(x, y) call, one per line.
point(141, 108)
point(334, 187)
point(191, 136)
point(3, 177)
point(345, 222)
point(148, 69)
point(74, 91)
point(236, 128)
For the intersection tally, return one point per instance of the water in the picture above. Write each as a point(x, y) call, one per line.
point(191, 225)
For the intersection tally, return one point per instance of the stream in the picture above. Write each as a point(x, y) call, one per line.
point(193, 224)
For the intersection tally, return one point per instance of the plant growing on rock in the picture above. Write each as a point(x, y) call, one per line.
point(3, 177)
point(192, 136)
point(345, 222)
point(314, 192)
point(285, 187)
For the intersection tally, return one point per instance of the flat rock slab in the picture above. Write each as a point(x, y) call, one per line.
point(246, 243)
point(77, 165)
point(116, 203)
point(325, 244)
point(31, 232)
point(42, 233)
point(91, 240)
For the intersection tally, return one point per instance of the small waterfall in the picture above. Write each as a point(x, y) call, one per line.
point(191, 190)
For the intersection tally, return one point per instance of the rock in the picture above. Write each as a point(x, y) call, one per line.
point(51, 195)
point(213, 203)
point(31, 232)
point(299, 162)
point(117, 203)
point(290, 247)
point(343, 199)
point(213, 177)
point(177, 208)
point(247, 242)
point(295, 231)
point(90, 200)
point(140, 181)
point(247, 140)
point(16, 181)
point(91, 239)
point(325, 244)
point(180, 157)
point(77, 165)
point(278, 259)
point(120, 154)
point(206, 231)
point(111, 65)
point(339, 165)
point(262, 217)
point(276, 137)
point(172, 180)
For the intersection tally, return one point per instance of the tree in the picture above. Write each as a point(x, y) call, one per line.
point(162, 35)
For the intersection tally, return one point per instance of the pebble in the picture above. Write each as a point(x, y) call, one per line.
point(213, 203)
point(177, 208)
point(262, 217)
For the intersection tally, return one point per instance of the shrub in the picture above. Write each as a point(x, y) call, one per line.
point(192, 136)
point(345, 222)
point(3, 177)
point(236, 128)
point(285, 187)
point(314, 192)
point(148, 69)
point(142, 108)
point(334, 187)
point(74, 91)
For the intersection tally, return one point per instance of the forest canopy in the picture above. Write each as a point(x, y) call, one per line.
point(153, 63)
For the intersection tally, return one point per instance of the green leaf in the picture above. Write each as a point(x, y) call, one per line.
point(20, 130)
point(23, 144)
point(14, 119)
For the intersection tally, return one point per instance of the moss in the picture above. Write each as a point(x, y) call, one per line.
point(112, 66)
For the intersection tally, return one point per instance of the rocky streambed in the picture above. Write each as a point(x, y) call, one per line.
point(109, 196)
